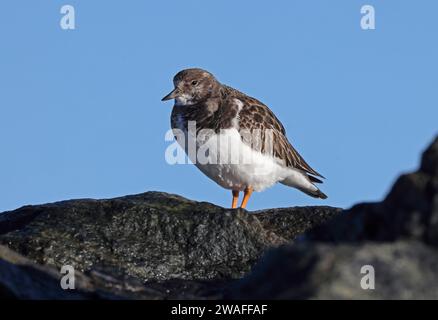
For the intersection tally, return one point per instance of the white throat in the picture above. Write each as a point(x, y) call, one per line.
point(184, 100)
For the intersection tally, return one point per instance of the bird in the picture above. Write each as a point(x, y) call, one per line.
point(238, 141)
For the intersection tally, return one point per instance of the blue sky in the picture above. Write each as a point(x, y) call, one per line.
point(81, 116)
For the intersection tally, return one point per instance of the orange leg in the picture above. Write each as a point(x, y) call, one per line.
point(247, 193)
point(235, 199)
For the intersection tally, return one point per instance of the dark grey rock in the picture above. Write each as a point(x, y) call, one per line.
point(410, 211)
point(21, 278)
point(288, 223)
point(24, 279)
point(403, 270)
point(152, 236)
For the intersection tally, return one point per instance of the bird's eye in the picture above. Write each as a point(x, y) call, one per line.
point(194, 83)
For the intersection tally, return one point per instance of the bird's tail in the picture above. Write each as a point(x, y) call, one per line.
point(304, 183)
point(316, 194)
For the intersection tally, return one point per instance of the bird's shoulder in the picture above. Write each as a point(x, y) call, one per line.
point(252, 113)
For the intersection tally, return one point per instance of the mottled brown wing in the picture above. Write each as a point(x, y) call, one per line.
point(255, 115)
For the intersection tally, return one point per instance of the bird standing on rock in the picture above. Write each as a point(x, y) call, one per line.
point(239, 142)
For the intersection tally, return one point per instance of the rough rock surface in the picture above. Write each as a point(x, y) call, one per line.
point(154, 237)
point(159, 246)
point(403, 270)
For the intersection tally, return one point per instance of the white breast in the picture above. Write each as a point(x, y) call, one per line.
point(231, 163)
point(234, 165)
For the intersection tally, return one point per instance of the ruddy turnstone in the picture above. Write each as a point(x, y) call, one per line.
point(225, 122)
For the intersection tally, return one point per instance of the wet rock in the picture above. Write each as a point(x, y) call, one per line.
point(21, 278)
point(152, 236)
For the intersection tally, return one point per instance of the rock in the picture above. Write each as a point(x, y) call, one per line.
point(288, 223)
point(152, 236)
point(403, 270)
point(21, 278)
point(410, 211)
point(429, 161)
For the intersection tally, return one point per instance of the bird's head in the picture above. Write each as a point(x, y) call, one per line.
point(193, 86)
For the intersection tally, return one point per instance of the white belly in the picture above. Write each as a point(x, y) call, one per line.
point(234, 165)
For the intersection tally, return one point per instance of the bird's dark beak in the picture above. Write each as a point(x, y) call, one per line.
point(174, 94)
